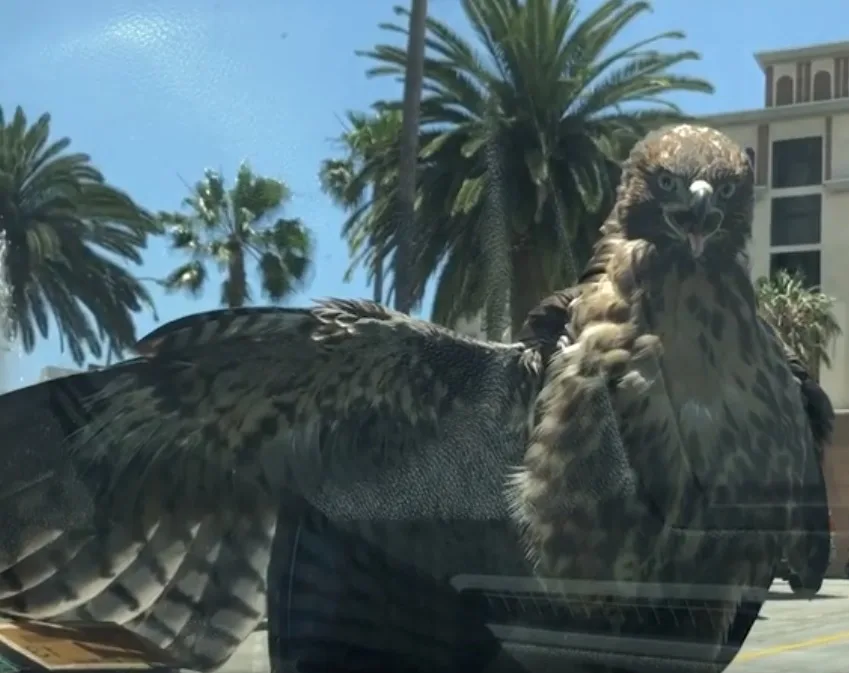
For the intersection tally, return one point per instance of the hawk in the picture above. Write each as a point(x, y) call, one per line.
point(548, 321)
point(665, 333)
point(655, 437)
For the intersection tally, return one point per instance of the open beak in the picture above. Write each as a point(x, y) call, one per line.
point(701, 204)
point(697, 244)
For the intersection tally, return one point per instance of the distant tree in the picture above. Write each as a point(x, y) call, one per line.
point(69, 237)
point(803, 316)
point(233, 227)
point(363, 182)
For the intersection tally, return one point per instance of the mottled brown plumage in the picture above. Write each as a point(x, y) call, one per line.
point(179, 458)
point(544, 329)
point(547, 323)
point(192, 583)
point(664, 338)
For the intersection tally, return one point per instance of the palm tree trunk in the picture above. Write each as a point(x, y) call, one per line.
point(377, 283)
point(377, 286)
point(237, 288)
point(814, 367)
point(408, 157)
point(496, 236)
point(529, 286)
point(569, 262)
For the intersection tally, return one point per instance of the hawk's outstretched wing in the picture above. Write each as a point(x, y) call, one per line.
point(147, 492)
point(349, 403)
point(193, 584)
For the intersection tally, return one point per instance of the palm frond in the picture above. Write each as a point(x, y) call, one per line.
point(803, 316)
point(69, 236)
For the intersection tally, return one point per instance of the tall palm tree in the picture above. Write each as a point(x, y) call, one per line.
point(803, 316)
point(520, 135)
point(231, 227)
point(363, 182)
point(404, 297)
point(69, 235)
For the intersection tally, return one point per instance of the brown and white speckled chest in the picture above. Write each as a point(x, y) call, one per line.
point(723, 377)
point(704, 369)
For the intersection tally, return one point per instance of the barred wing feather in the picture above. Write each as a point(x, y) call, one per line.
point(147, 493)
point(195, 585)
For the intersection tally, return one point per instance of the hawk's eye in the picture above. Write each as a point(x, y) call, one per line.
point(666, 181)
point(726, 190)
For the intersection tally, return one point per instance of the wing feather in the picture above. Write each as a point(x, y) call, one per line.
point(146, 493)
point(338, 402)
point(135, 590)
point(81, 578)
point(198, 591)
point(217, 597)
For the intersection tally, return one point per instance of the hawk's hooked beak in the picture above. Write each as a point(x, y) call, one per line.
point(701, 205)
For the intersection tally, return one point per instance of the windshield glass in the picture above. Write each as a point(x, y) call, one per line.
point(577, 399)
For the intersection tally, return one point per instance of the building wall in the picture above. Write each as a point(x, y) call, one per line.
point(837, 478)
point(840, 147)
point(471, 326)
point(808, 78)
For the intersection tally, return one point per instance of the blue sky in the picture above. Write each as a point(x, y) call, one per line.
point(156, 91)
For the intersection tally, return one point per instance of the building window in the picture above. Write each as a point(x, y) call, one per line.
point(822, 85)
point(784, 90)
point(804, 262)
point(796, 220)
point(796, 237)
point(797, 162)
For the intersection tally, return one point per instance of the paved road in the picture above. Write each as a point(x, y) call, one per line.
point(799, 635)
point(792, 635)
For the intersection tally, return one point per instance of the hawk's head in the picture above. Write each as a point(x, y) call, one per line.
point(688, 190)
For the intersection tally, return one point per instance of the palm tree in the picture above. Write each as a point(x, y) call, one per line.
point(69, 235)
point(231, 226)
point(519, 139)
point(404, 298)
point(364, 184)
point(802, 315)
